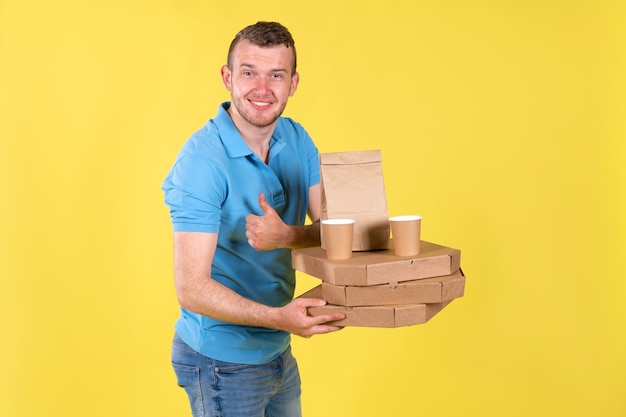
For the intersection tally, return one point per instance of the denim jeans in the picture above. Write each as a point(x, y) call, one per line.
point(223, 389)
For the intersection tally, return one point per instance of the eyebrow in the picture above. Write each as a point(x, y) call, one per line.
point(245, 65)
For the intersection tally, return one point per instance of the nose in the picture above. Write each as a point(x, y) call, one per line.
point(261, 84)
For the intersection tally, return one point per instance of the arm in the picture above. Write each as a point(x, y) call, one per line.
point(198, 292)
point(270, 232)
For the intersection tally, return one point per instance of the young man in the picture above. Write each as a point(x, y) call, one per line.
point(239, 193)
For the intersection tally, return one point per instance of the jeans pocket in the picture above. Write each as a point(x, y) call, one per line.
point(188, 377)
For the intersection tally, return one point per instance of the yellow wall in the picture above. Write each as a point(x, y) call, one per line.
point(501, 123)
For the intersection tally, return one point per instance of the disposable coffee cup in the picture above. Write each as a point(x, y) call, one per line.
point(336, 235)
point(405, 234)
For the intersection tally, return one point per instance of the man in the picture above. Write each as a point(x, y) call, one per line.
point(239, 193)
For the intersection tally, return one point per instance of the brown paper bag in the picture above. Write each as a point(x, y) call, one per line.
point(353, 187)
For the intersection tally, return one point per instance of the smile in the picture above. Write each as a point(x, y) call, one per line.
point(260, 103)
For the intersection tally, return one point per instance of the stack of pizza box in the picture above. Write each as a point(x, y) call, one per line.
point(379, 289)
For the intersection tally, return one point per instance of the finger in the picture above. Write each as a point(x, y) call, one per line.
point(326, 329)
point(324, 317)
point(251, 219)
point(327, 318)
point(265, 206)
point(320, 329)
point(310, 302)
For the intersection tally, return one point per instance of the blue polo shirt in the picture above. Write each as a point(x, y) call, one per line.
point(213, 185)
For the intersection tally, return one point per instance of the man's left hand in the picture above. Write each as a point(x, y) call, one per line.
point(268, 231)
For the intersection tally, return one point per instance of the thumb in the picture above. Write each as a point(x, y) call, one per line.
point(265, 206)
point(311, 302)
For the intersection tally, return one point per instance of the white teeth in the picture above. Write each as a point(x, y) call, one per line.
point(260, 103)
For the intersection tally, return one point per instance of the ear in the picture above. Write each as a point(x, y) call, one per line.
point(227, 77)
point(295, 79)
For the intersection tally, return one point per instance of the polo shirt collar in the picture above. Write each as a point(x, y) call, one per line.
point(233, 142)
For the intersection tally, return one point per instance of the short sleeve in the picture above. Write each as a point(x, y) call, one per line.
point(195, 191)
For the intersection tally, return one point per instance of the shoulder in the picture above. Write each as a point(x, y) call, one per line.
point(293, 132)
point(204, 145)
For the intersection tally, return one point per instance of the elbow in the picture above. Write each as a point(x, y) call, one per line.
point(184, 302)
point(185, 297)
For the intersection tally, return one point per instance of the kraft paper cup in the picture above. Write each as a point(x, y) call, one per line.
point(337, 236)
point(405, 232)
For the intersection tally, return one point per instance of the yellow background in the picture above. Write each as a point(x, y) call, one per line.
point(501, 122)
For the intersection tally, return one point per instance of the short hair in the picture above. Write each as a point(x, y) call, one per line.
point(266, 35)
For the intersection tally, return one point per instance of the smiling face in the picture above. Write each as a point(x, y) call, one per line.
point(260, 80)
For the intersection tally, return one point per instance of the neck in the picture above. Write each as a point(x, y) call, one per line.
point(257, 138)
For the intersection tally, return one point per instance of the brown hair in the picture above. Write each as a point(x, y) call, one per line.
point(265, 34)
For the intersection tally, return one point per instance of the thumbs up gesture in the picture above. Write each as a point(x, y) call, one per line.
point(268, 231)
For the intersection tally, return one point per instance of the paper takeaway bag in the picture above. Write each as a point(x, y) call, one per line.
point(353, 187)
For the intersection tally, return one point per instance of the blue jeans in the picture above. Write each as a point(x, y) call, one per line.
point(223, 389)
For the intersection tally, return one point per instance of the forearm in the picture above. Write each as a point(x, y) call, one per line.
point(212, 299)
point(205, 296)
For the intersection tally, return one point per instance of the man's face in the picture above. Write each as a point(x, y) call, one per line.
point(260, 81)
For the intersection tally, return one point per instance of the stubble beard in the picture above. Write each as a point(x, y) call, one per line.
point(240, 105)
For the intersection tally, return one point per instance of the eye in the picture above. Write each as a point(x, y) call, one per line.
point(277, 76)
point(248, 73)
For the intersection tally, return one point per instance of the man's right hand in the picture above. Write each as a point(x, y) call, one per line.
point(294, 318)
